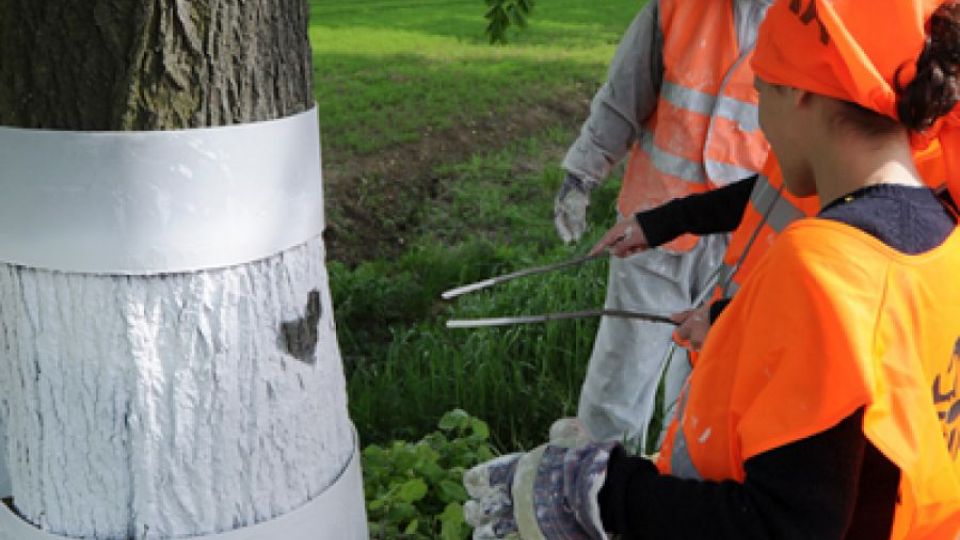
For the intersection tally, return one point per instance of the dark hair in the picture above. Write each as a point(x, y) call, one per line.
point(935, 89)
point(932, 93)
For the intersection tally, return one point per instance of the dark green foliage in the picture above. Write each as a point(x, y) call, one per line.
point(502, 14)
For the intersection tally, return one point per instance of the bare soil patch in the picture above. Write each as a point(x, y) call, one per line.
point(374, 202)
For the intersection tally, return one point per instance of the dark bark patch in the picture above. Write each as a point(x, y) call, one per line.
point(300, 336)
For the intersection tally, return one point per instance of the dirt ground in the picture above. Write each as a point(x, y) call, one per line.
point(374, 201)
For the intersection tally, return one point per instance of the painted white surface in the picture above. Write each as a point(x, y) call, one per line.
point(5, 489)
point(152, 407)
point(149, 202)
point(336, 514)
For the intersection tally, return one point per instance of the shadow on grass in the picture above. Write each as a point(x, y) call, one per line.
point(387, 130)
point(368, 104)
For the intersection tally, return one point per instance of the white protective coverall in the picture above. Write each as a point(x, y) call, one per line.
point(617, 398)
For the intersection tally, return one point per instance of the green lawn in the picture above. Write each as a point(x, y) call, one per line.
point(400, 75)
point(388, 70)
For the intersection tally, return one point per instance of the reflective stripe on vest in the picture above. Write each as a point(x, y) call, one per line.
point(741, 112)
point(704, 131)
point(727, 286)
point(774, 211)
point(681, 464)
point(668, 163)
point(778, 212)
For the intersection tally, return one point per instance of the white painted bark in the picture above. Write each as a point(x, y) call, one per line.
point(154, 407)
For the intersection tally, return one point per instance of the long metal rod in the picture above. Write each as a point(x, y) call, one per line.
point(460, 291)
point(533, 319)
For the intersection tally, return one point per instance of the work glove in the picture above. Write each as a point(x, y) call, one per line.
point(570, 208)
point(549, 493)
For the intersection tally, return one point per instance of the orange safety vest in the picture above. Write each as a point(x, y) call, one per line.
point(768, 212)
point(771, 208)
point(830, 321)
point(705, 131)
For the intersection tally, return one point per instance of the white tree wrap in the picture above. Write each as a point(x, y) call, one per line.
point(151, 202)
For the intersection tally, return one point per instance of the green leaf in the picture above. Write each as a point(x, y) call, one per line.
point(455, 419)
point(411, 527)
point(431, 471)
point(480, 428)
point(401, 512)
point(412, 490)
point(452, 491)
point(484, 453)
point(452, 524)
point(404, 459)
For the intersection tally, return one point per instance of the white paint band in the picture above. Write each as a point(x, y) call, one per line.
point(5, 489)
point(150, 202)
point(336, 514)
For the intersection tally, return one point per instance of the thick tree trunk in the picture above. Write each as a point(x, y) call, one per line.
point(152, 64)
point(170, 405)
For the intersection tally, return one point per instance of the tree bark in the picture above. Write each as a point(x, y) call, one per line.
point(152, 64)
point(179, 404)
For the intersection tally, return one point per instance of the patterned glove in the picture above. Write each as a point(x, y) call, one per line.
point(549, 493)
point(570, 208)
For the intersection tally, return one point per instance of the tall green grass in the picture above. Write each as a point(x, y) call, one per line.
point(406, 368)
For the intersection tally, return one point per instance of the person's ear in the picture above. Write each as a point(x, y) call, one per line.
point(801, 98)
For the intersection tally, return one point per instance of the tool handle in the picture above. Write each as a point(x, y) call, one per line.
point(460, 291)
point(559, 316)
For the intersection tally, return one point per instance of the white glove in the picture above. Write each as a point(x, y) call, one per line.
point(570, 208)
point(549, 493)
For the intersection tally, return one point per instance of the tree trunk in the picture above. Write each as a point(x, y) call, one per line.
point(178, 404)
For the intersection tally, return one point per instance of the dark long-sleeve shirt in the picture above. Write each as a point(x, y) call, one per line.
point(834, 484)
point(716, 211)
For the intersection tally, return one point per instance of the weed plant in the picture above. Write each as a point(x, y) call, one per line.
point(413, 489)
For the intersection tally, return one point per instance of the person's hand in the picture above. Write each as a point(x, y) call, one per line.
point(623, 239)
point(694, 324)
point(570, 208)
point(550, 492)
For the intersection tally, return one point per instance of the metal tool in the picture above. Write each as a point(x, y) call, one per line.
point(532, 319)
point(460, 291)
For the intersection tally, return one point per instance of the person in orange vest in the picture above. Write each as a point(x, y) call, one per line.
point(754, 210)
point(826, 399)
point(680, 101)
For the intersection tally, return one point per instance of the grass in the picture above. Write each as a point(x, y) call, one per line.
point(389, 71)
point(393, 74)
point(406, 369)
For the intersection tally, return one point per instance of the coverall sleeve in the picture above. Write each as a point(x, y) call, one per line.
point(623, 103)
point(806, 489)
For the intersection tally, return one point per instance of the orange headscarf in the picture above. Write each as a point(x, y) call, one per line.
point(851, 50)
